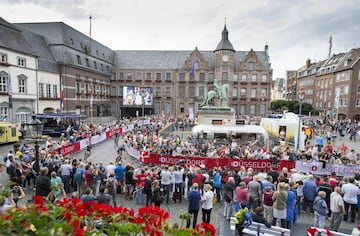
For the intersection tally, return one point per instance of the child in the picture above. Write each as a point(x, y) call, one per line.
point(240, 218)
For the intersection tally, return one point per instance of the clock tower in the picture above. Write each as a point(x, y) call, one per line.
point(224, 58)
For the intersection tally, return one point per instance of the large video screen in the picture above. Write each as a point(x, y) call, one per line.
point(132, 96)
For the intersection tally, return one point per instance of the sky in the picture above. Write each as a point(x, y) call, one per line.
point(294, 30)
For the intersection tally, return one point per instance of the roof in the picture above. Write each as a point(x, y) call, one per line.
point(11, 38)
point(148, 59)
point(229, 128)
point(349, 60)
point(225, 44)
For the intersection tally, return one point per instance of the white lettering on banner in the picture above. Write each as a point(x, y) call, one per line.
point(174, 160)
point(317, 168)
point(67, 150)
point(254, 164)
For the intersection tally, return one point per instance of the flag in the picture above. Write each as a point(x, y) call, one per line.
point(10, 92)
point(91, 96)
point(192, 72)
point(62, 96)
point(337, 98)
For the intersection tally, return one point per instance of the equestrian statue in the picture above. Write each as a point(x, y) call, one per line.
point(219, 92)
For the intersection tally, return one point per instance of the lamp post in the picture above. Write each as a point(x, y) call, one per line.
point(34, 132)
point(301, 94)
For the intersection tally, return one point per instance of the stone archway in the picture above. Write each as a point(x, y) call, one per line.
point(49, 110)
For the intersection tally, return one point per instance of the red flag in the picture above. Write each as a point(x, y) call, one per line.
point(62, 96)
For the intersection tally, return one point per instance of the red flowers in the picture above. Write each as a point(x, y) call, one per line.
point(71, 217)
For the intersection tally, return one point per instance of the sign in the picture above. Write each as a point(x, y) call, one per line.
point(217, 122)
point(316, 168)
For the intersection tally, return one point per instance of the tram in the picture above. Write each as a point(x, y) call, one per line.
point(9, 133)
point(225, 134)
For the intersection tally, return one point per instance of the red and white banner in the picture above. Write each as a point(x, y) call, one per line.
point(144, 157)
point(67, 150)
point(316, 168)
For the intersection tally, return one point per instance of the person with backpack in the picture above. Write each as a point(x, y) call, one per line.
point(320, 210)
point(111, 186)
point(243, 219)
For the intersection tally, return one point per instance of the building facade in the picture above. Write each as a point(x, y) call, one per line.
point(179, 80)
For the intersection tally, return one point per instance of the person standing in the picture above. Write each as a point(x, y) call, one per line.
point(229, 197)
point(290, 206)
point(217, 184)
point(43, 183)
point(65, 171)
point(279, 205)
point(194, 198)
point(147, 189)
point(350, 192)
point(309, 192)
point(254, 192)
point(320, 210)
point(166, 182)
point(207, 203)
point(337, 209)
point(156, 197)
point(129, 181)
point(120, 173)
point(326, 187)
point(319, 142)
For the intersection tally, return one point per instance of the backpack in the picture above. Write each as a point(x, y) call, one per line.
point(79, 175)
point(247, 219)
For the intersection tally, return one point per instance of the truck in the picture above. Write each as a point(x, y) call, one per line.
point(286, 131)
point(9, 133)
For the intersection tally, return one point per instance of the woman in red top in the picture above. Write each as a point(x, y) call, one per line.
point(89, 177)
point(241, 195)
point(139, 195)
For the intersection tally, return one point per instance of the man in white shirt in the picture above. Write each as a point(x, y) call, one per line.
point(350, 192)
point(166, 181)
point(110, 169)
point(337, 209)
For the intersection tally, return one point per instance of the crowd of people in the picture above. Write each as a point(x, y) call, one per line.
point(273, 198)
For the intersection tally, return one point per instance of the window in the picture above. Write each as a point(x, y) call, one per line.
point(77, 87)
point(201, 91)
point(253, 93)
point(211, 77)
point(242, 108)
point(191, 91)
point(234, 107)
point(182, 108)
point(168, 91)
point(22, 84)
point(158, 92)
point(128, 76)
point(3, 112)
point(157, 107)
point(262, 109)
point(3, 58)
point(235, 92)
point(23, 116)
point(87, 88)
point(148, 75)
point(359, 75)
point(138, 75)
point(236, 77)
point(182, 76)
point(21, 61)
point(121, 92)
point(254, 78)
point(243, 92)
point(264, 78)
point(224, 76)
point(243, 77)
point(202, 77)
point(78, 59)
point(358, 90)
point(87, 62)
point(357, 103)
point(252, 109)
point(95, 65)
point(158, 76)
point(113, 91)
point(48, 90)
point(41, 90)
point(101, 67)
point(55, 91)
point(251, 65)
point(181, 91)
point(167, 108)
point(264, 92)
point(168, 76)
point(121, 75)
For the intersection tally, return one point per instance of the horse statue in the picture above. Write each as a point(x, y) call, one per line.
point(220, 92)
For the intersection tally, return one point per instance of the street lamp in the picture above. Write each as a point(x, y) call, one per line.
point(301, 94)
point(34, 132)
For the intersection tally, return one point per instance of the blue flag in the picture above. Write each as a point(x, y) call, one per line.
point(192, 72)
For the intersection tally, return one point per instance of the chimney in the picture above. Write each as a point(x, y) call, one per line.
point(308, 63)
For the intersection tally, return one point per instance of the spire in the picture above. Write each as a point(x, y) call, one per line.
point(225, 44)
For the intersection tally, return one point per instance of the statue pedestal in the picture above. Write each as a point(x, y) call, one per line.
point(214, 115)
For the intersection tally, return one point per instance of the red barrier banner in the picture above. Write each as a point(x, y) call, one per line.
point(111, 133)
point(67, 150)
point(209, 163)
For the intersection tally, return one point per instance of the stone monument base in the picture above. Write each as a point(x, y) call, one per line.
point(213, 115)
